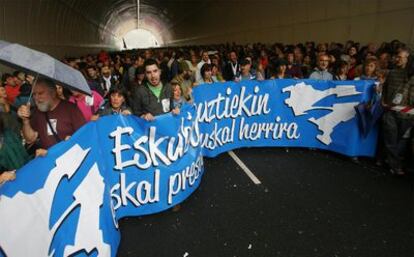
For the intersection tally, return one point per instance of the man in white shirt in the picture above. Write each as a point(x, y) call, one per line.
point(108, 79)
point(204, 59)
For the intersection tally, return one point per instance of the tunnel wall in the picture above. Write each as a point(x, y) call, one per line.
point(299, 21)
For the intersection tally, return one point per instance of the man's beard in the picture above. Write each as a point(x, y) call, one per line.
point(43, 107)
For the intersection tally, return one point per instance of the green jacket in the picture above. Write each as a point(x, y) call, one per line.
point(12, 153)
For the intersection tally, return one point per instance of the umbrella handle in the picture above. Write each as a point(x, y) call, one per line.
point(31, 91)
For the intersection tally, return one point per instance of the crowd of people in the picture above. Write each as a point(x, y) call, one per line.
point(150, 82)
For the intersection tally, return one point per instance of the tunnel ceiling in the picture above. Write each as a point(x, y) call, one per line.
point(184, 21)
point(117, 17)
point(63, 27)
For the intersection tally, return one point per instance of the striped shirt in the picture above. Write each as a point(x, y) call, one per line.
point(395, 82)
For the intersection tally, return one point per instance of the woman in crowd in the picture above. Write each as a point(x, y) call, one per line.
point(216, 65)
point(177, 98)
point(341, 71)
point(206, 75)
point(353, 51)
point(369, 69)
point(298, 53)
point(216, 74)
point(279, 70)
point(115, 105)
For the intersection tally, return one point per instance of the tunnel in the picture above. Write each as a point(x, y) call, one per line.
point(75, 27)
point(255, 128)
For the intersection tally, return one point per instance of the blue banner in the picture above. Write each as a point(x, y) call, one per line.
point(288, 113)
point(69, 202)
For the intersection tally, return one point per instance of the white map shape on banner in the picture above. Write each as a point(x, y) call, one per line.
point(88, 235)
point(303, 97)
point(17, 212)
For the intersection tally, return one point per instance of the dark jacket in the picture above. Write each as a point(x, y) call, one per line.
point(228, 73)
point(144, 101)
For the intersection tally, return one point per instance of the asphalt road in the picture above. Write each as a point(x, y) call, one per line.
point(309, 203)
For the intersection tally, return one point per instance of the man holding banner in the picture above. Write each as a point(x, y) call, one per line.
point(397, 124)
point(153, 98)
point(53, 120)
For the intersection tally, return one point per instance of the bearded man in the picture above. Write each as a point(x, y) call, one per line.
point(53, 119)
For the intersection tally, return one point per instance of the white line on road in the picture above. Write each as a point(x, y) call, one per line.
point(246, 170)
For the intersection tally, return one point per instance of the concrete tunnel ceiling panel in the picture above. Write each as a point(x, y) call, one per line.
point(120, 18)
point(73, 27)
